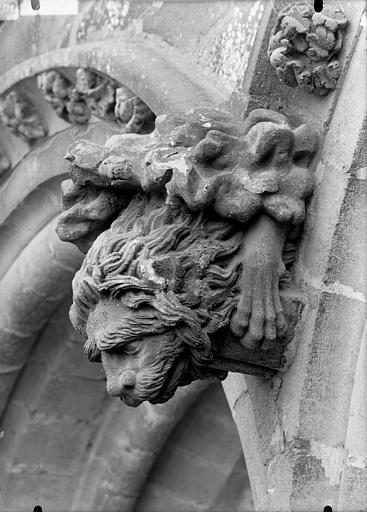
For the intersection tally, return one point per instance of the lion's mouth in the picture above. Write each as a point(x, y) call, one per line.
point(165, 392)
point(130, 400)
point(171, 382)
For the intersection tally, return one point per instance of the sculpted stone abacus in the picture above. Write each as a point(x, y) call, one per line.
point(187, 234)
point(304, 46)
point(20, 116)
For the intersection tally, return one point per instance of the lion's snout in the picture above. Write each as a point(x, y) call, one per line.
point(121, 384)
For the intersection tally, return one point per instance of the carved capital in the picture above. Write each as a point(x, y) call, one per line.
point(304, 46)
point(187, 233)
point(20, 116)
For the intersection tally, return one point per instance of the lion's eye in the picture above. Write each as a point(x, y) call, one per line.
point(132, 348)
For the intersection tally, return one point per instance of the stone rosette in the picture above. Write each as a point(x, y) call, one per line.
point(21, 117)
point(304, 46)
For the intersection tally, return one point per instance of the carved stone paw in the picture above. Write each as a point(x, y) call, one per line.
point(259, 315)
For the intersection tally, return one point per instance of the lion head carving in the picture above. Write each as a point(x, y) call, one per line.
point(185, 233)
point(149, 293)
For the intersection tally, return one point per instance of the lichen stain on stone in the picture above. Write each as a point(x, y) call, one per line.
point(230, 55)
point(107, 15)
point(361, 174)
point(331, 458)
point(357, 461)
point(278, 441)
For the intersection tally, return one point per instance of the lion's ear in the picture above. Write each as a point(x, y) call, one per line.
point(92, 351)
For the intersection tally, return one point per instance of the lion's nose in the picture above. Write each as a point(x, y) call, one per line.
point(127, 380)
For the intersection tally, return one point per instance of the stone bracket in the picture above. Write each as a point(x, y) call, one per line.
point(188, 234)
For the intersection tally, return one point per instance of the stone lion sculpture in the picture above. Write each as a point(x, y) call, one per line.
point(186, 233)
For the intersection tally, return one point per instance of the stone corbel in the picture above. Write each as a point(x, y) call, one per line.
point(189, 235)
point(20, 116)
point(304, 46)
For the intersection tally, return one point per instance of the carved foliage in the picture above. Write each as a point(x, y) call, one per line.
point(20, 116)
point(97, 95)
point(60, 93)
point(97, 91)
point(89, 209)
point(132, 111)
point(202, 211)
point(304, 46)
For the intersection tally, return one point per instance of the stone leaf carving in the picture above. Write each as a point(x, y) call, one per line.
point(97, 91)
point(97, 95)
point(132, 112)
point(109, 101)
point(304, 47)
point(185, 232)
point(20, 116)
point(60, 93)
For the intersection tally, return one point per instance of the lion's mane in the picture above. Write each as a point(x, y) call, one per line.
point(173, 270)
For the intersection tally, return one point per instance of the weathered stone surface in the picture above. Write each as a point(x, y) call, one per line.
point(304, 46)
point(173, 485)
point(233, 356)
point(196, 249)
point(334, 268)
point(59, 92)
point(63, 397)
point(132, 112)
point(303, 432)
point(97, 91)
point(5, 164)
point(97, 95)
point(29, 295)
point(21, 118)
point(88, 211)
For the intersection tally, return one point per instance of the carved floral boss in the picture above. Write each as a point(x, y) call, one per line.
point(186, 233)
point(304, 46)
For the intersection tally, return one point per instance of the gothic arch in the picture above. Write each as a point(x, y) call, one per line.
point(36, 270)
point(38, 168)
